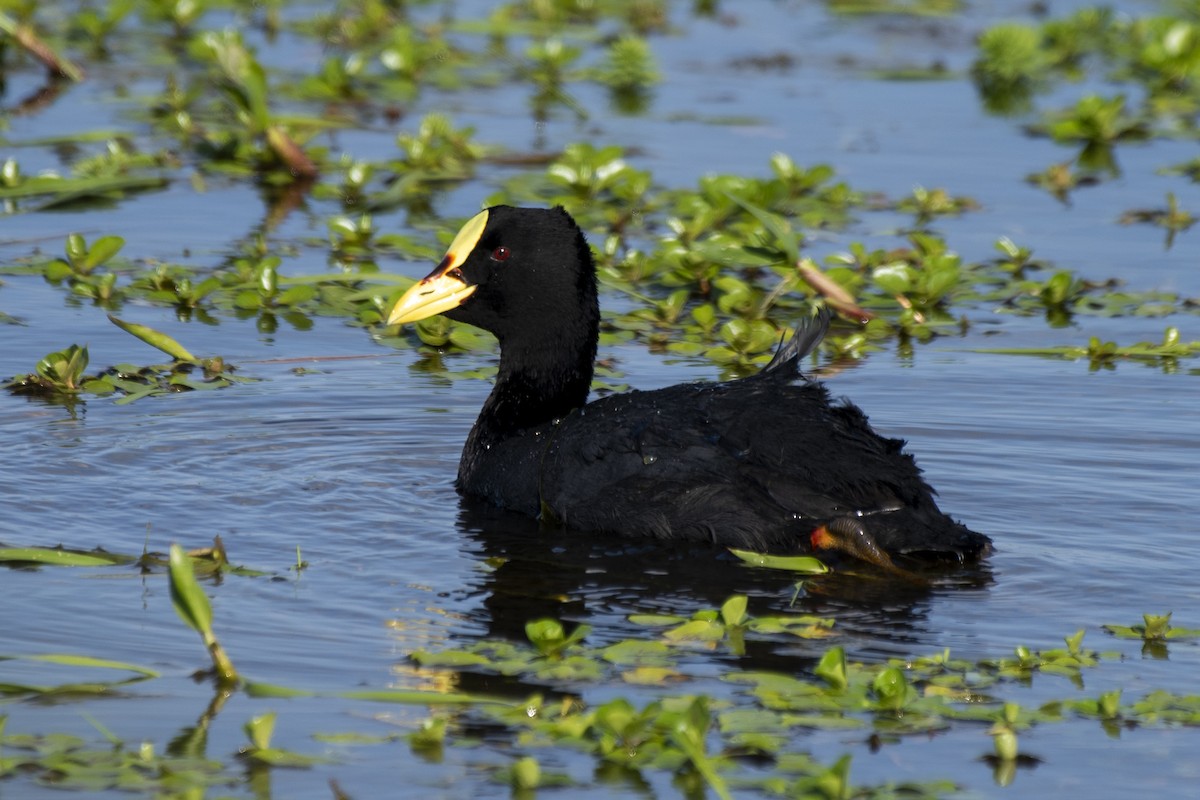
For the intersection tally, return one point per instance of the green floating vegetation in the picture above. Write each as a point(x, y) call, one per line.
point(1100, 354)
point(208, 561)
point(1153, 58)
point(61, 557)
point(72, 764)
point(46, 192)
point(724, 280)
point(893, 699)
point(260, 731)
point(74, 688)
point(59, 376)
point(1153, 627)
point(1173, 218)
point(915, 8)
point(702, 743)
point(804, 564)
point(716, 271)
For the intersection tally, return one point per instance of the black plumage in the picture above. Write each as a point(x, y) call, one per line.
point(766, 462)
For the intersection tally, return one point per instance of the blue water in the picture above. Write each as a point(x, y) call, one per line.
point(1085, 480)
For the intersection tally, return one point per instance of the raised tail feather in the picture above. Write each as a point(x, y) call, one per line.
point(808, 334)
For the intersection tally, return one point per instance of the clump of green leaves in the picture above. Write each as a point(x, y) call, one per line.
point(927, 204)
point(57, 374)
point(1154, 627)
point(79, 269)
point(548, 67)
point(1011, 66)
point(175, 286)
point(434, 158)
point(60, 375)
point(1097, 124)
point(260, 139)
point(439, 149)
point(730, 624)
point(65, 762)
point(629, 72)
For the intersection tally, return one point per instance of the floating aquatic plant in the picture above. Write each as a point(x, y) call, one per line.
point(60, 375)
point(1100, 353)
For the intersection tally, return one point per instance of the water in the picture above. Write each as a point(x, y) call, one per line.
point(1085, 480)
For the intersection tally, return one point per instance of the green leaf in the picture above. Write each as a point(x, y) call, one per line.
point(431, 733)
point(296, 295)
point(415, 697)
point(62, 558)
point(656, 620)
point(260, 730)
point(733, 611)
point(526, 773)
point(247, 299)
point(805, 564)
point(190, 601)
point(271, 690)
point(638, 653)
point(155, 339)
point(550, 638)
point(894, 278)
point(449, 658)
point(832, 668)
point(284, 758)
point(76, 249)
point(651, 676)
point(891, 688)
point(696, 630)
point(786, 239)
point(102, 250)
point(254, 83)
point(73, 660)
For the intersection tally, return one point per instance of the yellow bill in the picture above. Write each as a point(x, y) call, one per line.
point(446, 287)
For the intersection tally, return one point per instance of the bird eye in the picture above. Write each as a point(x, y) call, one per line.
point(501, 253)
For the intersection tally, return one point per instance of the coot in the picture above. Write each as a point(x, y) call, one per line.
point(767, 462)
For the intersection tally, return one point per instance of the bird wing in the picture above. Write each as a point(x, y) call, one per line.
point(738, 461)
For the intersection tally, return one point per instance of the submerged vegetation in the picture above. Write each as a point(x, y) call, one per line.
point(356, 155)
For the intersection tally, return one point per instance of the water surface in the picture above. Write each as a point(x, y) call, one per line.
point(1086, 480)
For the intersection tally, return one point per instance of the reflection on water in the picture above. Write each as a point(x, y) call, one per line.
point(577, 577)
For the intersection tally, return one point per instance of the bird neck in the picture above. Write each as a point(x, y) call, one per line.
point(538, 381)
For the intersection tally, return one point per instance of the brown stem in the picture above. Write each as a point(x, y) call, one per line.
point(299, 163)
point(837, 297)
point(26, 38)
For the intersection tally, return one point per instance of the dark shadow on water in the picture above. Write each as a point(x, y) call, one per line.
point(535, 573)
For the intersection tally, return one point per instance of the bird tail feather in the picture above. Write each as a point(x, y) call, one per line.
point(807, 335)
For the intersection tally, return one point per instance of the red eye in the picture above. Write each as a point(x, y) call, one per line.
point(501, 253)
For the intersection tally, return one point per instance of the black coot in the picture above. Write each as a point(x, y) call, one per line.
point(766, 462)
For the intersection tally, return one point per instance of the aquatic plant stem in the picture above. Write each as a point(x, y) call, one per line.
point(193, 607)
point(24, 36)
